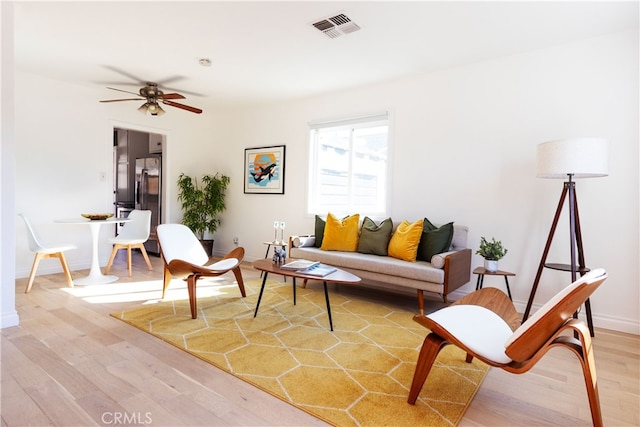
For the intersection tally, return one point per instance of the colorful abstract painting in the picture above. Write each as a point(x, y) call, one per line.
point(264, 170)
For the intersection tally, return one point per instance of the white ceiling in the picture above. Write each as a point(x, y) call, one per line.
point(267, 51)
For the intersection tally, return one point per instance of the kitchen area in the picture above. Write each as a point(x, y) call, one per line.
point(138, 177)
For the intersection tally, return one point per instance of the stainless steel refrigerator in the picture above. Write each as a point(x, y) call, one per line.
point(148, 195)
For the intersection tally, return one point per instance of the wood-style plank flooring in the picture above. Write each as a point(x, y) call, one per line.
point(69, 363)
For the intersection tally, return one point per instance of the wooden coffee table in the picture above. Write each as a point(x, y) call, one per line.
point(339, 276)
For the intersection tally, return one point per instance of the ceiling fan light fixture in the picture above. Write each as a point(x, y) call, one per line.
point(155, 109)
point(152, 96)
point(143, 108)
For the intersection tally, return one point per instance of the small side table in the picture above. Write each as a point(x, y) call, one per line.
point(481, 272)
point(282, 245)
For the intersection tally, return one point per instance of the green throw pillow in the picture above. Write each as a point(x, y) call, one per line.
point(374, 238)
point(434, 240)
point(319, 231)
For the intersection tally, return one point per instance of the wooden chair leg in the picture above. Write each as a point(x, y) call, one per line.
point(431, 346)
point(34, 268)
point(238, 273)
point(129, 259)
point(585, 354)
point(421, 302)
point(166, 280)
point(65, 268)
point(114, 251)
point(191, 287)
point(144, 255)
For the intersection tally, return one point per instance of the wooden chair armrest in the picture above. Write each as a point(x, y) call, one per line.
point(457, 270)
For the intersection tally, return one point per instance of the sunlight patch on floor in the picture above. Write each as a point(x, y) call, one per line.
point(150, 291)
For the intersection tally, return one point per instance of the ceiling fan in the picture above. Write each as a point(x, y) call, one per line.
point(152, 95)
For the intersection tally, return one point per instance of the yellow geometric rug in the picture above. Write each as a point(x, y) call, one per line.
point(357, 375)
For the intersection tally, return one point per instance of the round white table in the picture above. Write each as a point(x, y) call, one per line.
point(95, 276)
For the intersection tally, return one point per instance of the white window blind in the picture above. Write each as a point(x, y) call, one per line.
point(348, 166)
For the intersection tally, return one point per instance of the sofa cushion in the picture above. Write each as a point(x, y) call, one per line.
point(434, 240)
point(319, 230)
point(374, 238)
point(303, 241)
point(405, 240)
point(341, 235)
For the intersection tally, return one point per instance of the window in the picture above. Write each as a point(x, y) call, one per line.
point(348, 166)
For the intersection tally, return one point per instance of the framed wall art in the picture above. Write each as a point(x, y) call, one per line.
point(264, 170)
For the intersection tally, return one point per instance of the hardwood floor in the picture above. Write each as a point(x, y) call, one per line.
point(69, 363)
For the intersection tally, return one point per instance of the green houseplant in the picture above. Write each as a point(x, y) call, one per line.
point(491, 251)
point(202, 204)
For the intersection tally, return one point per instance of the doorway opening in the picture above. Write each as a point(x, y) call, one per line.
point(137, 170)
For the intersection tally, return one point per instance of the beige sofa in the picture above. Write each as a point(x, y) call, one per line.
point(445, 273)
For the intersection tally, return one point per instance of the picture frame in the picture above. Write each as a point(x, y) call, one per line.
point(264, 170)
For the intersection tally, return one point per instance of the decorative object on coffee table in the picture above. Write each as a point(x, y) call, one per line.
point(279, 255)
point(491, 251)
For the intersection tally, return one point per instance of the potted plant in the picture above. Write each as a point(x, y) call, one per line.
point(491, 251)
point(201, 205)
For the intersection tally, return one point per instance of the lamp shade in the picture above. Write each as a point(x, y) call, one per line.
point(579, 157)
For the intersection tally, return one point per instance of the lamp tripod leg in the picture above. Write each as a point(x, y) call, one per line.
point(547, 246)
point(575, 241)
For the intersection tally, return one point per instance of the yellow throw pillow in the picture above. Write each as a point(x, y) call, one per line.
point(341, 234)
point(405, 240)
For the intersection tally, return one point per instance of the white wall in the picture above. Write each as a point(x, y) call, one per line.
point(8, 313)
point(464, 150)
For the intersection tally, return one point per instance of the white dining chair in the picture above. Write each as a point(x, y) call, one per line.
point(45, 251)
point(132, 235)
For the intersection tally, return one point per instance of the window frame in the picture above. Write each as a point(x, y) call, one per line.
point(363, 121)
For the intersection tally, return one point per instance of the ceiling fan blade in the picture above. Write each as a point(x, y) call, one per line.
point(170, 80)
point(127, 99)
point(125, 91)
point(183, 91)
point(184, 107)
point(137, 80)
point(171, 96)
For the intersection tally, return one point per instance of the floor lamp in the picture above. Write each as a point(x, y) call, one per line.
point(569, 159)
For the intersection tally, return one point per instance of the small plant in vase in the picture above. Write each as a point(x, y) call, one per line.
point(491, 251)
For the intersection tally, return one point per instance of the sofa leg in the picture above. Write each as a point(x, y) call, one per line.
point(421, 301)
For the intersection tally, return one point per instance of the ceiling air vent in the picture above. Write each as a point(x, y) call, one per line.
point(336, 26)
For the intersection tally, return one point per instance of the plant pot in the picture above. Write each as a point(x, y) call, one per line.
point(491, 266)
point(208, 246)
